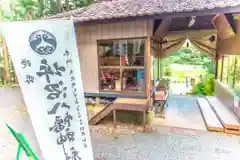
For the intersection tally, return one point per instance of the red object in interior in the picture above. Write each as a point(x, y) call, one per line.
point(124, 61)
point(160, 95)
point(103, 78)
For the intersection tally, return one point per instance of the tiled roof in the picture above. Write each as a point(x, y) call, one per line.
point(133, 8)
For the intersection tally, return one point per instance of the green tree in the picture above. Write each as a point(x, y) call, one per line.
point(19, 9)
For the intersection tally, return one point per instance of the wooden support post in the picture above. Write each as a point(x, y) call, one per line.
point(114, 117)
point(144, 120)
point(6, 61)
point(148, 60)
point(161, 58)
point(217, 56)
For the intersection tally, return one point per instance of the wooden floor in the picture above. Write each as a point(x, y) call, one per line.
point(227, 118)
point(183, 112)
point(210, 118)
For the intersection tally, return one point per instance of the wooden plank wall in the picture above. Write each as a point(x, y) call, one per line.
point(87, 37)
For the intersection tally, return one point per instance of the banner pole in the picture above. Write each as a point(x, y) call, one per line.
point(18, 151)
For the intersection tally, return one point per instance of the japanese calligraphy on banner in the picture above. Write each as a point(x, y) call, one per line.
point(45, 57)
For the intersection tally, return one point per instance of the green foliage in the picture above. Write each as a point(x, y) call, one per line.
point(204, 86)
point(198, 89)
point(237, 89)
point(19, 9)
point(1, 73)
point(209, 85)
point(190, 57)
point(167, 72)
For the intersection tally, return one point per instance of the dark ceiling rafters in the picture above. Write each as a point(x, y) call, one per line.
point(202, 22)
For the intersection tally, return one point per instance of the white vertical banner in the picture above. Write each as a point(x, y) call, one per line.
point(45, 56)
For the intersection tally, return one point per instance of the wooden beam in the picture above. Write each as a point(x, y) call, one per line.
point(162, 29)
point(172, 45)
point(210, 55)
point(164, 41)
point(204, 45)
point(191, 28)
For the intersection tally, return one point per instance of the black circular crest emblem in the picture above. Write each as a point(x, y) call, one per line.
point(43, 42)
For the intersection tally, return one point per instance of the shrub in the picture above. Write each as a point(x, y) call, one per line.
point(209, 85)
point(204, 87)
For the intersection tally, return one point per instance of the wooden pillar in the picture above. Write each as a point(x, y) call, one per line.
point(144, 120)
point(148, 60)
point(216, 65)
point(161, 59)
point(221, 77)
point(158, 61)
point(114, 117)
point(217, 56)
point(6, 61)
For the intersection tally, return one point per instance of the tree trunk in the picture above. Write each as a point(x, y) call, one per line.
point(40, 7)
point(59, 6)
point(66, 5)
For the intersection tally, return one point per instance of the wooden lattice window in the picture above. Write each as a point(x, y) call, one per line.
point(122, 65)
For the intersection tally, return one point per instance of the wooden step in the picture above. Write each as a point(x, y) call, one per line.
point(211, 120)
point(227, 117)
point(103, 113)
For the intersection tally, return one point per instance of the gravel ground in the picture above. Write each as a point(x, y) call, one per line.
point(168, 144)
point(165, 144)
